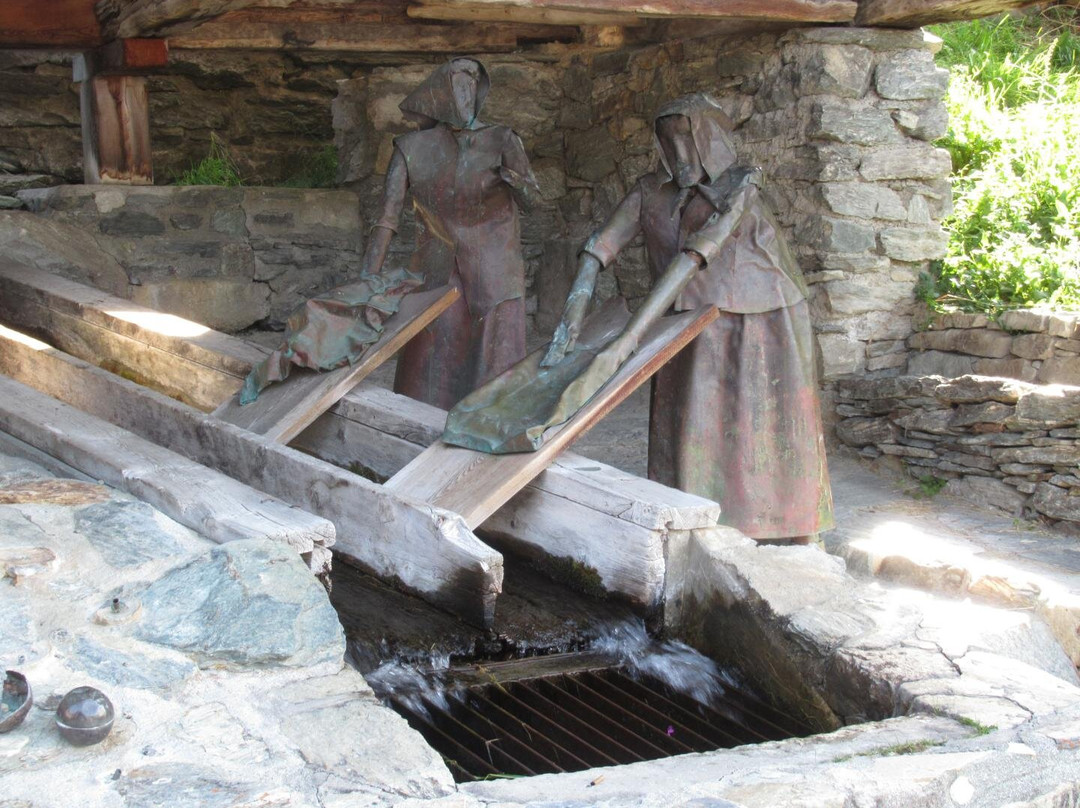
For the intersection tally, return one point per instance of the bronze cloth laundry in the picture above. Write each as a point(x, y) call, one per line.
point(467, 180)
point(735, 417)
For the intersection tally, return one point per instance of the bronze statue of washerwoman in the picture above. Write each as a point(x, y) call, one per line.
point(735, 416)
point(467, 180)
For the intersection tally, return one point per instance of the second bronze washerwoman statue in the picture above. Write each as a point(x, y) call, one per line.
point(467, 180)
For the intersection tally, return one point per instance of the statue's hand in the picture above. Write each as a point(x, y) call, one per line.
point(562, 342)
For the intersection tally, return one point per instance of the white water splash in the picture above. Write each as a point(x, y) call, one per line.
point(674, 663)
point(411, 685)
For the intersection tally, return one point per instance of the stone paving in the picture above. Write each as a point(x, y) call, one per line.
point(956, 642)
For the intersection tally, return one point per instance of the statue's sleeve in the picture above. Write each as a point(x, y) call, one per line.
point(619, 230)
point(708, 240)
point(520, 177)
point(393, 198)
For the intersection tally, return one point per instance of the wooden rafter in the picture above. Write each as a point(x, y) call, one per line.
point(58, 24)
point(454, 11)
point(916, 13)
point(780, 10)
point(138, 18)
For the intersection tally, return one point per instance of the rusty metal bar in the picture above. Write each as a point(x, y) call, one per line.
point(521, 750)
point(425, 727)
point(489, 745)
point(552, 750)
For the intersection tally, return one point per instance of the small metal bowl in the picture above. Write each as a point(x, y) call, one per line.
point(15, 701)
point(85, 716)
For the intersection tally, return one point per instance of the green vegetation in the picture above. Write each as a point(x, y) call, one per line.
point(980, 728)
point(1014, 137)
point(317, 169)
point(909, 748)
point(217, 168)
point(929, 486)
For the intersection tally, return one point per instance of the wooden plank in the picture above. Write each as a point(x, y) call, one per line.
point(425, 550)
point(769, 10)
point(373, 429)
point(464, 12)
point(917, 13)
point(137, 18)
point(476, 484)
point(200, 498)
point(128, 56)
point(53, 24)
point(122, 115)
point(366, 38)
point(285, 409)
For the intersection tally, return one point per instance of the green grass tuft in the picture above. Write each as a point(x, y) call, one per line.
point(217, 168)
point(313, 170)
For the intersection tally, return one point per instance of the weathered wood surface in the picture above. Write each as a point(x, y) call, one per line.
point(286, 408)
point(427, 550)
point(204, 500)
point(122, 121)
point(476, 484)
point(53, 24)
point(465, 12)
point(916, 13)
point(136, 18)
point(129, 56)
point(772, 10)
point(361, 38)
point(178, 357)
point(381, 432)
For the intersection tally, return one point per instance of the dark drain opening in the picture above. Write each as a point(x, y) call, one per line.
point(581, 719)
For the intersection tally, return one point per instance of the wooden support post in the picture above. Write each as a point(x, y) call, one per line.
point(115, 115)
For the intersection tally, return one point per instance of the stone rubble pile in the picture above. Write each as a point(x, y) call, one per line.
point(1025, 344)
point(1016, 445)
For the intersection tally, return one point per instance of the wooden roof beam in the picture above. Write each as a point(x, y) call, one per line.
point(57, 24)
point(465, 12)
point(917, 13)
point(138, 18)
point(771, 10)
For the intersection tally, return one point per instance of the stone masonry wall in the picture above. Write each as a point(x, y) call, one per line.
point(225, 257)
point(840, 119)
point(1033, 346)
point(1002, 442)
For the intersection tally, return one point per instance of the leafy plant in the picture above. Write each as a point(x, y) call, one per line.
point(1014, 138)
point(217, 168)
point(929, 486)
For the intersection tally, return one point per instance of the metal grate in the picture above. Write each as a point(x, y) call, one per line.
point(578, 720)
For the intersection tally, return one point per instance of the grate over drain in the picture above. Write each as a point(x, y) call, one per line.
point(569, 721)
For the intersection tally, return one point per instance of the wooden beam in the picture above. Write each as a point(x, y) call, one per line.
point(773, 10)
point(200, 498)
point(559, 513)
point(129, 56)
point(462, 12)
point(917, 13)
point(373, 38)
point(284, 410)
point(122, 19)
point(53, 24)
point(475, 484)
point(426, 550)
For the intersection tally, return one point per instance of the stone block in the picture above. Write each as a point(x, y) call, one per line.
point(1020, 369)
point(1066, 346)
point(928, 122)
point(1061, 325)
point(1024, 320)
point(131, 224)
point(1055, 502)
point(1026, 470)
point(1060, 370)
point(837, 235)
point(125, 533)
point(840, 355)
point(844, 123)
point(890, 388)
point(936, 422)
point(865, 293)
point(960, 319)
point(988, 412)
point(863, 201)
point(249, 602)
point(905, 162)
point(973, 342)
point(912, 244)
point(1033, 346)
point(907, 451)
point(887, 362)
point(842, 71)
point(910, 75)
point(226, 305)
point(858, 264)
point(859, 432)
point(974, 389)
point(1039, 455)
point(939, 363)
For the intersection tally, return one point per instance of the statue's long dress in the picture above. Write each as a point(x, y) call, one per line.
point(468, 235)
point(735, 415)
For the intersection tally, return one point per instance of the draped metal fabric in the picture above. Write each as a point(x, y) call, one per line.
point(333, 329)
point(467, 180)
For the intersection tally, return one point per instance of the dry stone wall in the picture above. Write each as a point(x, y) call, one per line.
point(1006, 443)
point(225, 257)
point(1033, 346)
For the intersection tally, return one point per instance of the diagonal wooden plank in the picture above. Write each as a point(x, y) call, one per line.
point(283, 410)
point(475, 485)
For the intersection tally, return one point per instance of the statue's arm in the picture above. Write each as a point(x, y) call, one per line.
point(599, 251)
point(393, 202)
point(516, 172)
